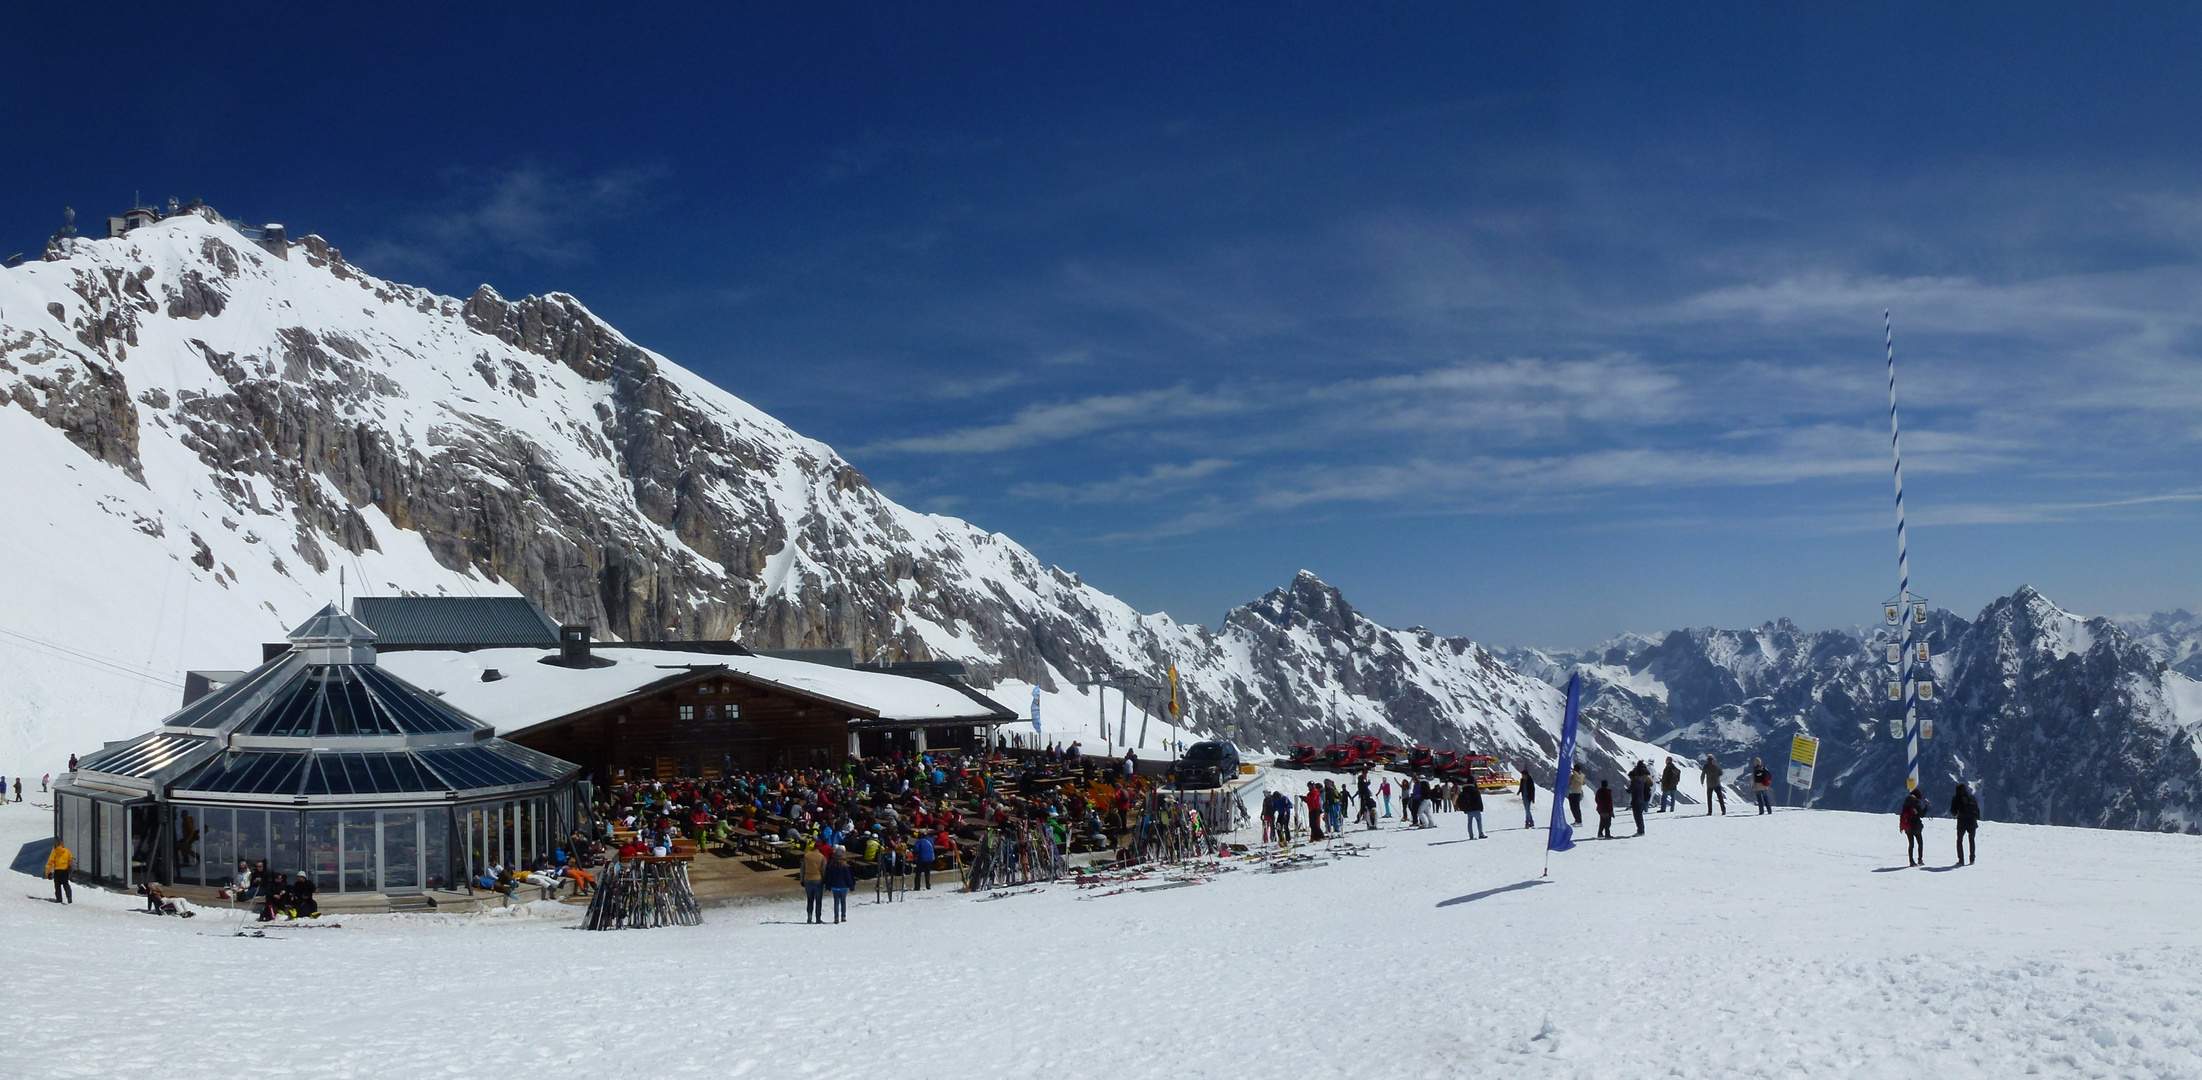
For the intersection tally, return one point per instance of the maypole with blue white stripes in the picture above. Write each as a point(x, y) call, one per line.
point(1906, 612)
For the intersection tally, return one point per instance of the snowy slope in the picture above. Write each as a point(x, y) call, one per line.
point(1796, 945)
point(211, 429)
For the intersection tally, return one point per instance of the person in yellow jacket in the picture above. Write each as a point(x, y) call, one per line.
point(57, 868)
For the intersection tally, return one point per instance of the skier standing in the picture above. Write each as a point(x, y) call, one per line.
point(1386, 791)
point(1712, 771)
point(1966, 810)
point(839, 878)
point(1471, 801)
point(1670, 778)
point(1913, 820)
point(1575, 795)
point(1529, 799)
point(1604, 803)
point(1762, 783)
point(1269, 819)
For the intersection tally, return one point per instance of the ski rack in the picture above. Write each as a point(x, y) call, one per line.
point(640, 894)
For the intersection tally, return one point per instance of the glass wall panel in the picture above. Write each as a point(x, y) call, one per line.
point(526, 833)
point(322, 859)
point(145, 843)
point(477, 842)
point(286, 844)
point(194, 850)
point(359, 851)
point(76, 827)
point(218, 843)
point(114, 841)
point(401, 849)
point(436, 848)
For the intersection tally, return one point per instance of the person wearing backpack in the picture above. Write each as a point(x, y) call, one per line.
point(1912, 819)
point(1966, 809)
point(1670, 778)
point(1762, 785)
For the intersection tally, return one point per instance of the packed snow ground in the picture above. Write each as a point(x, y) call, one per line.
point(1795, 945)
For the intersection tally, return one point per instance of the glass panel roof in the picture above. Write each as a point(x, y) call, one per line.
point(328, 772)
point(213, 711)
point(346, 699)
point(476, 767)
point(144, 757)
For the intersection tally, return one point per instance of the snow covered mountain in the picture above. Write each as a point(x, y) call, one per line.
point(2055, 718)
point(205, 430)
point(2174, 636)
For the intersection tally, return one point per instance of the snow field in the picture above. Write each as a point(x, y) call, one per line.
point(1715, 947)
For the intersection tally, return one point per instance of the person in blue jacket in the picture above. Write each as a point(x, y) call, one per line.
point(922, 873)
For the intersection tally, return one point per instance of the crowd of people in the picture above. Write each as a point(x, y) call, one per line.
point(894, 820)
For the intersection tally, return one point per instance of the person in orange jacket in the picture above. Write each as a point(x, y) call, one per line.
point(57, 868)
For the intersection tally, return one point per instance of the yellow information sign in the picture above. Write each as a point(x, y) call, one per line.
point(1804, 750)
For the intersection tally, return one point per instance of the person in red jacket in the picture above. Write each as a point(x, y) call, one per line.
point(1604, 801)
point(1314, 801)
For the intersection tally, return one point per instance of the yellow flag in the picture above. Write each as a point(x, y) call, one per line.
point(1173, 690)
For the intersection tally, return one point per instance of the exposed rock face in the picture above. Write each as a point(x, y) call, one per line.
point(2055, 718)
point(309, 419)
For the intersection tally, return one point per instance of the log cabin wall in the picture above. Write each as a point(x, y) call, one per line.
point(699, 726)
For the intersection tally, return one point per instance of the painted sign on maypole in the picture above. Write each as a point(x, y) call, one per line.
point(1804, 754)
point(1907, 613)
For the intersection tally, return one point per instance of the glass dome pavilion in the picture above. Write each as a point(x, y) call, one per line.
point(317, 761)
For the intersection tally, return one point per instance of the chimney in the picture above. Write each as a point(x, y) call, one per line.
point(573, 649)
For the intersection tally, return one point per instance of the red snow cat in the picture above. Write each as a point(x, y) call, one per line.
point(1373, 751)
point(1303, 756)
point(1341, 756)
point(1420, 758)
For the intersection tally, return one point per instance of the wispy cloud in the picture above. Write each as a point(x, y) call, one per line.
point(1038, 424)
point(528, 212)
point(1152, 484)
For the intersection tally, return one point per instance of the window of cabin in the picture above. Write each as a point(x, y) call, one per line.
point(704, 689)
point(688, 712)
point(733, 712)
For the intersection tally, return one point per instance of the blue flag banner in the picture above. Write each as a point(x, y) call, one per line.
point(1562, 835)
point(1036, 710)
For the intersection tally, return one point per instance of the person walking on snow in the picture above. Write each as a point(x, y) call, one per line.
point(1913, 820)
point(1575, 795)
point(1712, 771)
point(1670, 778)
point(57, 868)
point(1604, 803)
point(1386, 791)
point(1966, 810)
point(1471, 801)
point(1529, 799)
point(1762, 784)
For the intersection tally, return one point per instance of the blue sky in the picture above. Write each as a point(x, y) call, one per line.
point(1536, 323)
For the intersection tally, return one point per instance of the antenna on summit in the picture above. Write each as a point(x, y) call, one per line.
point(1909, 661)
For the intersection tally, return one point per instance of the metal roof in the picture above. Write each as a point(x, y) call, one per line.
point(457, 621)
